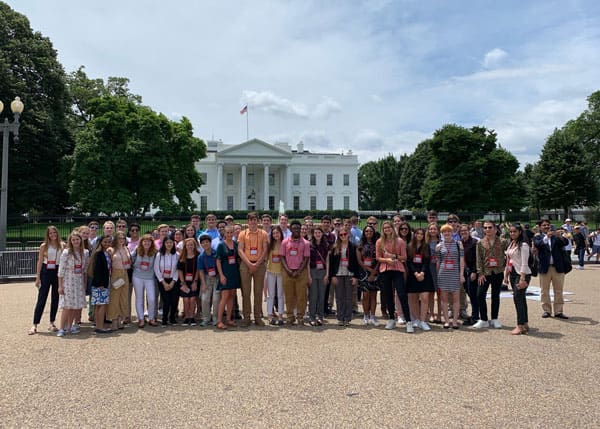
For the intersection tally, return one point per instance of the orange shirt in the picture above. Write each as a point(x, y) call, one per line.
point(253, 243)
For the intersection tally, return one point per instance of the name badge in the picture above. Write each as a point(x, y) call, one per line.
point(231, 260)
point(509, 265)
point(51, 265)
point(417, 259)
point(144, 266)
point(493, 262)
point(254, 251)
point(127, 264)
point(449, 265)
point(319, 265)
point(189, 277)
point(368, 262)
point(344, 262)
point(275, 259)
point(212, 272)
point(433, 258)
point(167, 273)
point(293, 251)
point(77, 269)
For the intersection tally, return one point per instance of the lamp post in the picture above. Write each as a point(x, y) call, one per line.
point(7, 127)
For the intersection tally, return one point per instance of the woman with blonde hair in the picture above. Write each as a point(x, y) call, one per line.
point(72, 279)
point(432, 238)
point(450, 269)
point(100, 268)
point(391, 255)
point(119, 281)
point(46, 279)
point(143, 279)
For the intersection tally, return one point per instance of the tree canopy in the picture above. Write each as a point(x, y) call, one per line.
point(30, 70)
point(378, 183)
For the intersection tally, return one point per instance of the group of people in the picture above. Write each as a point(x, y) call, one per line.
point(299, 269)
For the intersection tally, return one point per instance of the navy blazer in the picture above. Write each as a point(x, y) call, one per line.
point(557, 250)
point(101, 272)
point(353, 265)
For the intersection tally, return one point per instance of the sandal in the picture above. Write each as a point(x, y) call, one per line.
point(52, 328)
point(141, 325)
point(32, 331)
point(152, 323)
point(221, 325)
point(446, 326)
point(231, 323)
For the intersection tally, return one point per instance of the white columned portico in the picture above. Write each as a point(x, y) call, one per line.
point(220, 186)
point(266, 187)
point(243, 196)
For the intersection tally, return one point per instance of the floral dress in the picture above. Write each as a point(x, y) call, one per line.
point(72, 269)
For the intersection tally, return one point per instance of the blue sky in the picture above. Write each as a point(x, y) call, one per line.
point(374, 77)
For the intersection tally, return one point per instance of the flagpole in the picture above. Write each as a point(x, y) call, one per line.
point(247, 132)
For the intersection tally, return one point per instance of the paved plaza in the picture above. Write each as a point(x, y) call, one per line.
point(325, 377)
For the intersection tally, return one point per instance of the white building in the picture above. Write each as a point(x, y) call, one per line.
point(256, 175)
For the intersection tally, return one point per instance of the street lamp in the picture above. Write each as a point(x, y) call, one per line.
point(7, 127)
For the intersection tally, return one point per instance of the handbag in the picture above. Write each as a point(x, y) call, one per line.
point(567, 262)
point(118, 283)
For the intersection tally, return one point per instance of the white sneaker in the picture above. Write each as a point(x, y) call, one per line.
point(424, 326)
point(495, 323)
point(481, 324)
point(580, 267)
point(409, 328)
point(61, 333)
point(374, 321)
point(391, 324)
point(416, 323)
point(365, 321)
point(401, 321)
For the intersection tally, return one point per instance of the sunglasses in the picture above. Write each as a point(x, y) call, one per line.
point(93, 227)
point(488, 227)
point(372, 223)
point(452, 221)
point(134, 230)
point(343, 235)
point(404, 228)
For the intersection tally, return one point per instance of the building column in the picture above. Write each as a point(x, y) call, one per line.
point(220, 186)
point(243, 196)
point(266, 187)
point(288, 188)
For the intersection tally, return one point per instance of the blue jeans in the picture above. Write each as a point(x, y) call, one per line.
point(580, 255)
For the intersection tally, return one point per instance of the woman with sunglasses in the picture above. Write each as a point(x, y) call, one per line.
point(491, 260)
point(228, 267)
point(404, 231)
point(469, 244)
point(432, 238)
point(391, 256)
point(119, 281)
point(519, 274)
point(343, 270)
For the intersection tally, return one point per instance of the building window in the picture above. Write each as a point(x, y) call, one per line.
point(296, 179)
point(203, 203)
point(250, 179)
point(271, 202)
point(313, 202)
point(346, 202)
point(346, 180)
point(313, 180)
point(329, 202)
point(330, 180)
point(229, 179)
point(229, 202)
point(271, 180)
point(296, 202)
point(204, 178)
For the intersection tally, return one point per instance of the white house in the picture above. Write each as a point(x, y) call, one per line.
point(256, 175)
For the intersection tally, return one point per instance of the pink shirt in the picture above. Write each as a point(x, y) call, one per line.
point(294, 252)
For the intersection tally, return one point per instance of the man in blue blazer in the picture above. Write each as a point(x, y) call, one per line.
point(550, 245)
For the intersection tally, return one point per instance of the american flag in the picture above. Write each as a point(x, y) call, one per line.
point(244, 109)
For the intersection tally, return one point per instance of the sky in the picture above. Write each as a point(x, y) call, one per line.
point(374, 77)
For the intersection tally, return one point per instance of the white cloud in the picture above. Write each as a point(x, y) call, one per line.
point(494, 57)
point(271, 103)
point(327, 107)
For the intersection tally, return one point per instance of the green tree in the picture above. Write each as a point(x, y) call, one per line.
point(29, 69)
point(413, 177)
point(562, 175)
point(378, 183)
point(468, 172)
point(129, 158)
